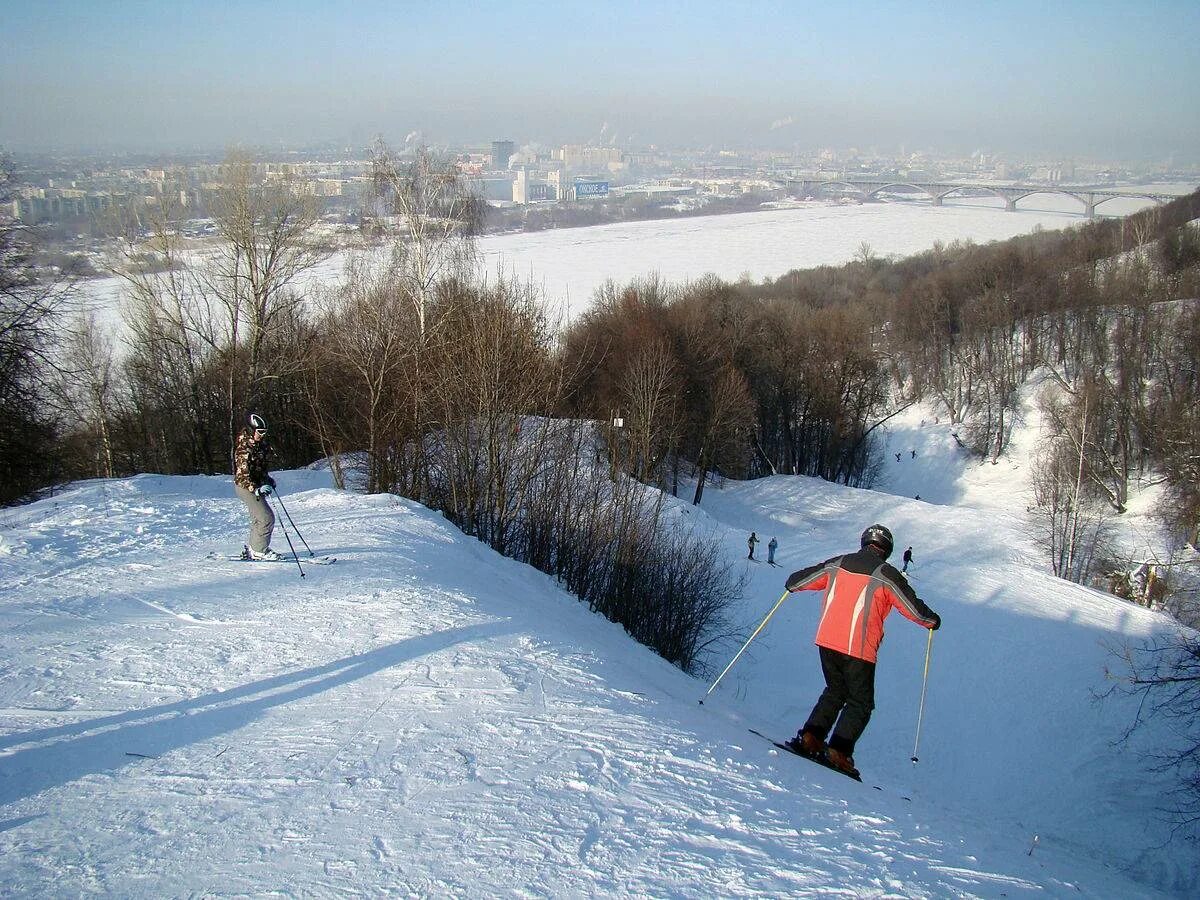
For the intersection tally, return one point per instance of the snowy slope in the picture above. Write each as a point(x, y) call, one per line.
point(426, 717)
point(1012, 725)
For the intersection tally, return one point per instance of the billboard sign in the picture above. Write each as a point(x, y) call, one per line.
point(591, 188)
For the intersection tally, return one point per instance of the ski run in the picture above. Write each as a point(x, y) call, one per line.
point(427, 718)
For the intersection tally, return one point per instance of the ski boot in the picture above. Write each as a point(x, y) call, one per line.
point(807, 744)
point(267, 555)
point(842, 762)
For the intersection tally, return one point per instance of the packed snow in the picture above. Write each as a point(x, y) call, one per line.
point(425, 717)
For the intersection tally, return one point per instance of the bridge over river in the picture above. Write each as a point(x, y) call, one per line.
point(1090, 197)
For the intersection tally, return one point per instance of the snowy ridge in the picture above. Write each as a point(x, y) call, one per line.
point(427, 717)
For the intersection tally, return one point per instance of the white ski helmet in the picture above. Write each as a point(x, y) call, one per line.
point(258, 423)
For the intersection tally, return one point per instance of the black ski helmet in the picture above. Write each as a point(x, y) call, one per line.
point(880, 537)
point(257, 422)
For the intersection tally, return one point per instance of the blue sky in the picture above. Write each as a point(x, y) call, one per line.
point(1098, 79)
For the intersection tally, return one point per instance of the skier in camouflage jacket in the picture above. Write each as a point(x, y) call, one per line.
point(252, 484)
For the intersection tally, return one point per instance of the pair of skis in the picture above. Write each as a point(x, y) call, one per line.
point(282, 558)
point(819, 760)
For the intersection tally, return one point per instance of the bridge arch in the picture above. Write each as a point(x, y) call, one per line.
point(1017, 198)
point(883, 187)
point(1159, 201)
point(970, 187)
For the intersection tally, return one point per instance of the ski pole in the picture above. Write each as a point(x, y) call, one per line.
point(293, 524)
point(924, 683)
point(744, 646)
point(295, 555)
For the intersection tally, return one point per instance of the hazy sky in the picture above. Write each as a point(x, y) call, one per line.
point(1058, 77)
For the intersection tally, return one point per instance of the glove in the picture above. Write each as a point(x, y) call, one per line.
point(263, 490)
point(937, 622)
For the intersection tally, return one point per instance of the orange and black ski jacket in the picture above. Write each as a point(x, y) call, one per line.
point(860, 590)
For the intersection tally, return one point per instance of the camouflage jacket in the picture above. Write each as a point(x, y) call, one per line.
point(249, 461)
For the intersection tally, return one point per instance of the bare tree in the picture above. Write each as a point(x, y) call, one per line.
point(1072, 522)
point(429, 217)
point(178, 339)
point(31, 310)
point(359, 379)
point(650, 403)
point(723, 425)
point(1164, 675)
point(87, 392)
point(266, 224)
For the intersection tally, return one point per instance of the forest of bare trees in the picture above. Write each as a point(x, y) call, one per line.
point(796, 374)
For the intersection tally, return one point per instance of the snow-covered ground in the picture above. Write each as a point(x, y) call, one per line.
point(424, 717)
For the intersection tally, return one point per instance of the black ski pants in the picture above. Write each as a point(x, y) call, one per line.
point(848, 699)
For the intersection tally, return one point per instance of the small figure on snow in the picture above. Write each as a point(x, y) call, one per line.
point(907, 558)
point(771, 551)
point(252, 484)
point(848, 637)
point(914, 454)
point(751, 542)
point(897, 457)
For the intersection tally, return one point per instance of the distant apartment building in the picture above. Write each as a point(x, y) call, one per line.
point(317, 187)
point(502, 152)
point(496, 188)
point(1061, 172)
point(556, 181)
point(578, 159)
point(533, 185)
point(57, 205)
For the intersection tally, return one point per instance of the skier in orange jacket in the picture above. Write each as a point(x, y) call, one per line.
point(860, 590)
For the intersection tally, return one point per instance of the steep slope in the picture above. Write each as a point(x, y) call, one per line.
point(427, 717)
point(1013, 728)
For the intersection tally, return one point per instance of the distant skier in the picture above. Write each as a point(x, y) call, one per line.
point(751, 542)
point(897, 457)
point(252, 484)
point(771, 551)
point(907, 558)
point(860, 590)
point(914, 454)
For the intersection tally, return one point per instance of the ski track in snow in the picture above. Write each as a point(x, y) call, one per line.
point(428, 718)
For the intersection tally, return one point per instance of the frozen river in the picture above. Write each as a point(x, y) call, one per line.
point(568, 264)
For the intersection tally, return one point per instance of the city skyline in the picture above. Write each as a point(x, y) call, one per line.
point(1096, 80)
